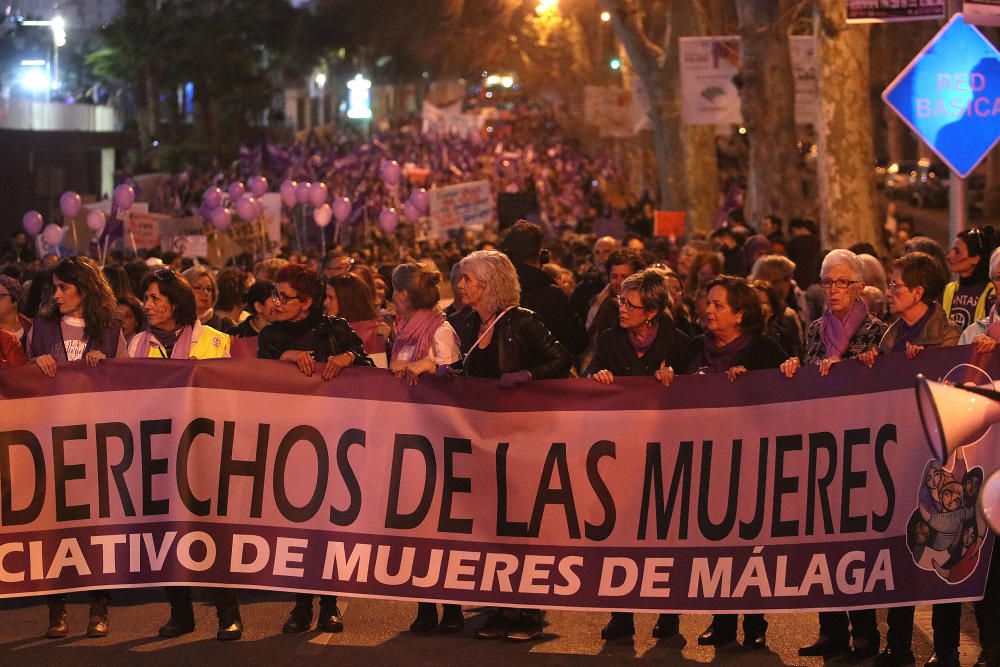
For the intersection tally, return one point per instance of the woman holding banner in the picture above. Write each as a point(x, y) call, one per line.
point(644, 342)
point(424, 343)
point(733, 344)
point(79, 323)
point(919, 322)
point(505, 342)
point(174, 332)
point(302, 334)
point(845, 330)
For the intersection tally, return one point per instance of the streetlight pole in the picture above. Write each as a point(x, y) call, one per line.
point(958, 188)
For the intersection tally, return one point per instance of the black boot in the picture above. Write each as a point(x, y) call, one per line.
point(329, 619)
point(301, 616)
point(181, 621)
point(667, 625)
point(230, 623)
point(451, 619)
point(621, 626)
point(58, 627)
point(97, 625)
point(427, 618)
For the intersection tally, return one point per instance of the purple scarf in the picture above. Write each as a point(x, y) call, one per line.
point(642, 345)
point(418, 331)
point(182, 345)
point(837, 335)
point(720, 359)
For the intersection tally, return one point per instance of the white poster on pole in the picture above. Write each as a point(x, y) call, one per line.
point(708, 65)
point(805, 71)
point(463, 205)
point(886, 11)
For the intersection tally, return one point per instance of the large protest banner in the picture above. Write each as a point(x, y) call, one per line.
point(761, 494)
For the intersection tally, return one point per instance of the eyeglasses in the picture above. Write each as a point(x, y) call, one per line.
point(894, 286)
point(282, 298)
point(631, 307)
point(839, 283)
point(203, 290)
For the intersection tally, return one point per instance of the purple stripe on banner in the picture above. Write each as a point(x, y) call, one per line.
point(870, 573)
point(891, 372)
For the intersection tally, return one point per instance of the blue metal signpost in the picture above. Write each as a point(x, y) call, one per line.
point(950, 96)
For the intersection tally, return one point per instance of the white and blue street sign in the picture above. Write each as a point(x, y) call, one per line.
point(950, 95)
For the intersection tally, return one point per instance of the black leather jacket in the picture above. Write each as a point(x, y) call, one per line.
point(525, 344)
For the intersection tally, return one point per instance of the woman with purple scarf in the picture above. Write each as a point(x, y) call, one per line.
point(845, 331)
point(733, 344)
point(425, 343)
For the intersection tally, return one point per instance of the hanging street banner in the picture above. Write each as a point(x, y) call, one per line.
point(950, 95)
point(982, 12)
point(763, 494)
point(886, 11)
point(709, 66)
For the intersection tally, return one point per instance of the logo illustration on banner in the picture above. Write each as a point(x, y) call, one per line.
point(950, 95)
point(945, 533)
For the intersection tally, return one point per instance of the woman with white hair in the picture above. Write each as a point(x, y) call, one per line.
point(984, 333)
point(503, 341)
point(846, 329)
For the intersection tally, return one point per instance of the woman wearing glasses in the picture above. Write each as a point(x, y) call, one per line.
point(643, 342)
point(79, 323)
point(174, 332)
point(844, 331)
point(972, 296)
point(302, 334)
point(206, 292)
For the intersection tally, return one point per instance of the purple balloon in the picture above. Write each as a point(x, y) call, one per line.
point(236, 190)
point(422, 200)
point(388, 219)
point(70, 204)
point(246, 208)
point(124, 196)
point(52, 234)
point(302, 193)
point(32, 222)
point(288, 193)
point(258, 186)
point(212, 198)
point(322, 215)
point(391, 172)
point(96, 220)
point(341, 208)
point(222, 218)
point(411, 212)
point(318, 193)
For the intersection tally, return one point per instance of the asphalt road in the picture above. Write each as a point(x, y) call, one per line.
point(375, 635)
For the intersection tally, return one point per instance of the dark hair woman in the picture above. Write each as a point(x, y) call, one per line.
point(972, 296)
point(232, 283)
point(504, 341)
point(644, 342)
point(80, 320)
point(259, 302)
point(79, 323)
point(733, 344)
point(302, 334)
point(131, 315)
point(348, 296)
point(174, 331)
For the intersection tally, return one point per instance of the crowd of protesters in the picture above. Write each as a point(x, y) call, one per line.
point(546, 298)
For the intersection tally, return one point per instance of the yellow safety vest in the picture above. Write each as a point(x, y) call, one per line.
point(949, 295)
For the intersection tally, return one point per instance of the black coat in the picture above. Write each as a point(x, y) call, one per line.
point(525, 344)
point(616, 354)
point(760, 354)
point(540, 294)
point(323, 336)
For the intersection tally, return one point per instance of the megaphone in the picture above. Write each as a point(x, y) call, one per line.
point(954, 415)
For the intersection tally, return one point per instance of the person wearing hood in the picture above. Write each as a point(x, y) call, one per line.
point(539, 292)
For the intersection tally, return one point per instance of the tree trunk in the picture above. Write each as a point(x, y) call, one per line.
point(767, 96)
point(844, 131)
